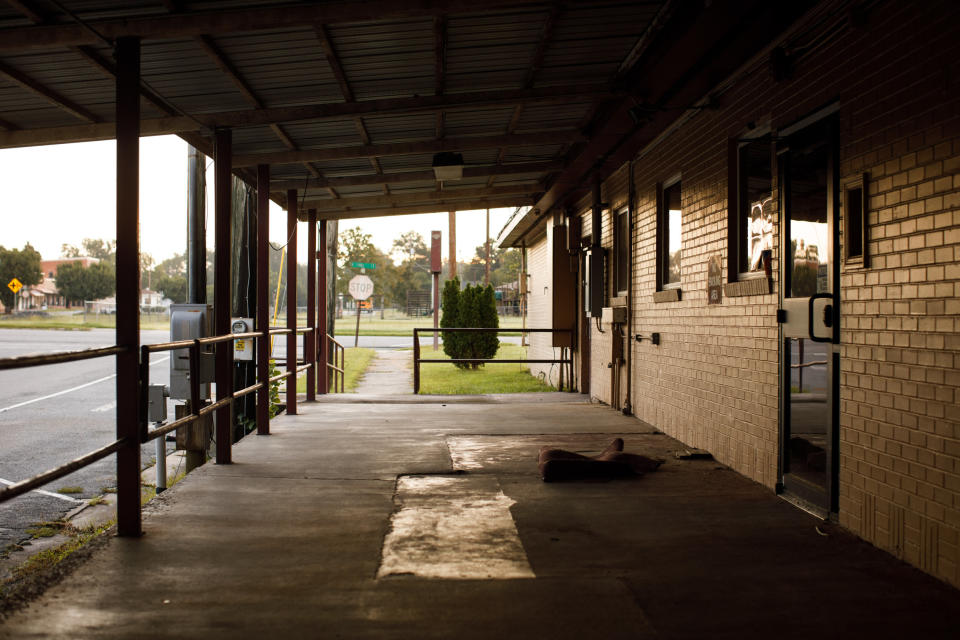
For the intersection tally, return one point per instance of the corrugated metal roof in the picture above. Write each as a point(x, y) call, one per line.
point(491, 49)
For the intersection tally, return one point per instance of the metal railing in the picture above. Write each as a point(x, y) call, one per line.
point(144, 435)
point(566, 358)
point(19, 362)
point(338, 365)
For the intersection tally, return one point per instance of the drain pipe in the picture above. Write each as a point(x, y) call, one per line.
point(631, 197)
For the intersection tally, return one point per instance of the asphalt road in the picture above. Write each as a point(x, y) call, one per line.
point(52, 414)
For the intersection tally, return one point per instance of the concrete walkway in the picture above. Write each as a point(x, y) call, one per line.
point(330, 527)
point(388, 374)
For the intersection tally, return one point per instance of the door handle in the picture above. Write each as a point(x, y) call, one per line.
point(827, 316)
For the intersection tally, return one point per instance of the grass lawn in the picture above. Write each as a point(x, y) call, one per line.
point(446, 379)
point(77, 322)
point(357, 359)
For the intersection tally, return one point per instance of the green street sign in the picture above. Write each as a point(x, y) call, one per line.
point(363, 265)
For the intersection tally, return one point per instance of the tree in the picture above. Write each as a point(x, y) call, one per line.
point(172, 287)
point(449, 317)
point(92, 247)
point(80, 283)
point(355, 246)
point(472, 307)
point(22, 264)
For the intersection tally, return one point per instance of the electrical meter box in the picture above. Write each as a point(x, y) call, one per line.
point(593, 282)
point(243, 348)
point(189, 321)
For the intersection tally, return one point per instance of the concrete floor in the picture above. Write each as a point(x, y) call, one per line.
point(287, 543)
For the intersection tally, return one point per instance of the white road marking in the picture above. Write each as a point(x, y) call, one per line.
point(50, 494)
point(72, 389)
point(457, 528)
point(105, 407)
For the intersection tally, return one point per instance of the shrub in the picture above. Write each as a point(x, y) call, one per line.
point(472, 307)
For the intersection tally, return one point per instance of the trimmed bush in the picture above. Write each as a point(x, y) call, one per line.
point(472, 307)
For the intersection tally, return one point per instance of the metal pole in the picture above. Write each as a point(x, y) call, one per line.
point(356, 335)
point(161, 463)
point(436, 310)
point(263, 306)
point(196, 227)
point(486, 277)
point(323, 380)
point(292, 302)
point(310, 355)
point(452, 271)
point(222, 191)
point(128, 284)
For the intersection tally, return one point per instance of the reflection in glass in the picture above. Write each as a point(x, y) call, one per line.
point(673, 233)
point(756, 202)
point(807, 209)
point(809, 411)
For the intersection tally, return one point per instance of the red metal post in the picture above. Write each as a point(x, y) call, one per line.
point(323, 375)
point(263, 298)
point(128, 284)
point(311, 346)
point(222, 183)
point(292, 302)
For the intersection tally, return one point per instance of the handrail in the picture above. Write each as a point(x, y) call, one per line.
point(19, 488)
point(417, 360)
point(339, 357)
point(38, 359)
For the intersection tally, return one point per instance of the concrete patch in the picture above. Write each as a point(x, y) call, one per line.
point(453, 527)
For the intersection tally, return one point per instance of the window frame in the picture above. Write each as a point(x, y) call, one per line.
point(663, 234)
point(738, 255)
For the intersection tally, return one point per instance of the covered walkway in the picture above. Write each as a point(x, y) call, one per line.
point(288, 542)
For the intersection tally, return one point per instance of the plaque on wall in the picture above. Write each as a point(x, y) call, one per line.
point(714, 281)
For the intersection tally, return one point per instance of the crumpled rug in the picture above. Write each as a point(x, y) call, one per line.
point(557, 465)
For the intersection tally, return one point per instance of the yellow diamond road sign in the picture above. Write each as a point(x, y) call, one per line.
point(14, 285)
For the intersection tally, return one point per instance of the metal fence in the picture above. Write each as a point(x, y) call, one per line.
point(566, 357)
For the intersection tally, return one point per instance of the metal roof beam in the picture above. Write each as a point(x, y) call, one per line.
point(423, 197)
point(249, 19)
point(406, 148)
point(415, 176)
point(439, 207)
point(51, 96)
point(326, 111)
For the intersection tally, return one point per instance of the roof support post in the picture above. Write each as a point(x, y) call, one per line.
point(310, 349)
point(196, 226)
point(323, 384)
point(222, 183)
point(263, 298)
point(452, 271)
point(128, 285)
point(292, 302)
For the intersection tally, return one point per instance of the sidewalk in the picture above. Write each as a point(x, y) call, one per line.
point(388, 374)
point(339, 524)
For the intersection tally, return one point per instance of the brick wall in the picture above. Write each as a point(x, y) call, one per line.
point(540, 306)
point(713, 382)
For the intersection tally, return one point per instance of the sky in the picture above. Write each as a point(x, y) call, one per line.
point(61, 194)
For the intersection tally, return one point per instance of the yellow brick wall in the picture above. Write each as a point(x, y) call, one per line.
point(713, 382)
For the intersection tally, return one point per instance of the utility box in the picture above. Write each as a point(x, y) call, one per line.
point(613, 315)
point(189, 321)
point(243, 348)
point(593, 283)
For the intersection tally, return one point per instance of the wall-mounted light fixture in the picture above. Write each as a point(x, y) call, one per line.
point(448, 165)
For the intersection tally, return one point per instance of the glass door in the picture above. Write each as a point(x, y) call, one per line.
point(809, 316)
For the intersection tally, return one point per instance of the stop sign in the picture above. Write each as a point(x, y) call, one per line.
point(361, 287)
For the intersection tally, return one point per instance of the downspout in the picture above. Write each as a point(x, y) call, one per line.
point(631, 196)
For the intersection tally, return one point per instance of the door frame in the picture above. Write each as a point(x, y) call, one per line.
point(823, 504)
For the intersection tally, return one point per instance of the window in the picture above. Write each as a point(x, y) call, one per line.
point(754, 204)
point(622, 244)
point(670, 232)
point(855, 221)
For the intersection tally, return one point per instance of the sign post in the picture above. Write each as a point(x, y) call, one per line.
point(361, 288)
point(435, 266)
